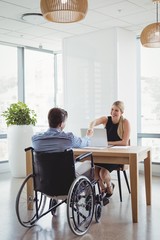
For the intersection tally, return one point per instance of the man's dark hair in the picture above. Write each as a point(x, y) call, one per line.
point(56, 116)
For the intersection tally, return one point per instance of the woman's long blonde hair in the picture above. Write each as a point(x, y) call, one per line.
point(120, 129)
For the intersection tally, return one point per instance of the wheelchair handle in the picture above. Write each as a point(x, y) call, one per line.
point(29, 148)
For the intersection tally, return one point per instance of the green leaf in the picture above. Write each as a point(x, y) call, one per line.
point(19, 114)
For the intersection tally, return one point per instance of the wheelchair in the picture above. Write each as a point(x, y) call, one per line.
point(53, 179)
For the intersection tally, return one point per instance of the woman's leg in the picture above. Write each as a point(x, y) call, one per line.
point(97, 177)
point(106, 178)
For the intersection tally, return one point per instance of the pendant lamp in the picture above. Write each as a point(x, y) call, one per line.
point(150, 36)
point(64, 11)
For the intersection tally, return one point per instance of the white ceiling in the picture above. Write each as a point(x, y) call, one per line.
point(132, 15)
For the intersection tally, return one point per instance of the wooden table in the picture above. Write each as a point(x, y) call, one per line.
point(127, 155)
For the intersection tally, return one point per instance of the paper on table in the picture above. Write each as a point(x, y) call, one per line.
point(121, 147)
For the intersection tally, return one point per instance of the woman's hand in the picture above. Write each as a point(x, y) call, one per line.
point(90, 132)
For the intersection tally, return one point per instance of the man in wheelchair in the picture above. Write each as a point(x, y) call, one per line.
point(52, 150)
point(56, 140)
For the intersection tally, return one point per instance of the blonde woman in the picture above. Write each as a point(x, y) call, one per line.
point(118, 134)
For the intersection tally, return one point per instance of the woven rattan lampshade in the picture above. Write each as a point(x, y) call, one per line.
point(150, 36)
point(64, 11)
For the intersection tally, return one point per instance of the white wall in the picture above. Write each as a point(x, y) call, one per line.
point(99, 68)
point(126, 77)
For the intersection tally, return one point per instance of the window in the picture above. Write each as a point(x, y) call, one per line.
point(43, 83)
point(8, 89)
point(39, 83)
point(32, 76)
point(59, 90)
point(149, 132)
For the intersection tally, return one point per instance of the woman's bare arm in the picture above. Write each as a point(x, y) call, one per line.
point(102, 120)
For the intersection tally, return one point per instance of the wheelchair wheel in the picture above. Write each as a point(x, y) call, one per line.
point(98, 211)
point(80, 205)
point(28, 209)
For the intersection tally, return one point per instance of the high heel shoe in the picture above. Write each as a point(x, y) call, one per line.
point(110, 190)
point(104, 197)
point(105, 200)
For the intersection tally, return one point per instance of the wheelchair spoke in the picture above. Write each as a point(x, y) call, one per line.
point(80, 206)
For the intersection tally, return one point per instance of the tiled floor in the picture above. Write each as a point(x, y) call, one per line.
point(116, 221)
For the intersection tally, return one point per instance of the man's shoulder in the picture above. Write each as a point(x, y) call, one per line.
point(38, 135)
point(68, 134)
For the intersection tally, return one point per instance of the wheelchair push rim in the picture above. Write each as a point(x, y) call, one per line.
point(80, 205)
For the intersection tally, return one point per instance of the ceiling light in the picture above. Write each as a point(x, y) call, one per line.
point(64, 11)
point(34, 18)
point(150, 36)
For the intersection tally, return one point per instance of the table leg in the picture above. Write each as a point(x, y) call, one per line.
point(28, 162)
point(148, 177)
point(134, 178)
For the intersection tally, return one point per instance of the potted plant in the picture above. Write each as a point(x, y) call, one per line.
point(20, 120)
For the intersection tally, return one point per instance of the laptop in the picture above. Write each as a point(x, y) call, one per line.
point(98, 140)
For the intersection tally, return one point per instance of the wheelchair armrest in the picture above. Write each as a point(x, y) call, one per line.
point(85, 155)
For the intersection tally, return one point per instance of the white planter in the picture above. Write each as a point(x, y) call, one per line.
point(19, 137)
